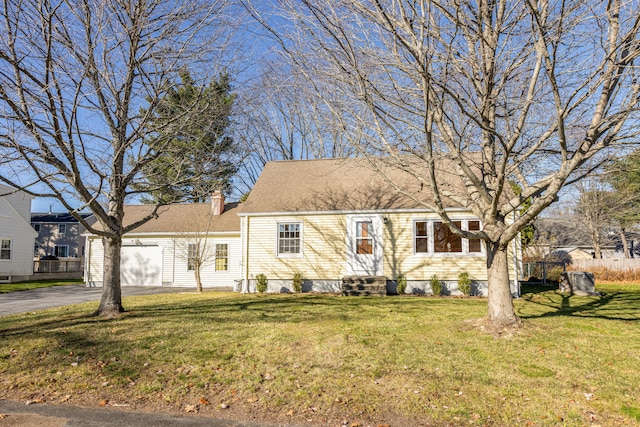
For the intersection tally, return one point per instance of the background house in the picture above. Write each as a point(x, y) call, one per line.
point(159, 253)
point(332, 218)
point(568, 238)
point(59, 234)
point(16, 235)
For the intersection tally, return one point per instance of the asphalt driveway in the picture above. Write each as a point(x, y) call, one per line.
point(58, 296)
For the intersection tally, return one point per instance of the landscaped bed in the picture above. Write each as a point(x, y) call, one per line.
point(309, 359)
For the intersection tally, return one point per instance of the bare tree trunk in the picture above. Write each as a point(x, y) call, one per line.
point(597, 249)
point(198, 278)
point(501, 310)
point(111, 302)
point(625, 244)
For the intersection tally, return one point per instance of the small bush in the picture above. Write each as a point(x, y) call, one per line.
point(436, 285)
point(297, 281)
point(464, 283)
point(402, 284)
point(261, 282)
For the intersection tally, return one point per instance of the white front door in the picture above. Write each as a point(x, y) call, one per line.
point(364, 245)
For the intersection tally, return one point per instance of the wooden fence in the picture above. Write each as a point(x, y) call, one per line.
point(613, 264)
point(58, 266)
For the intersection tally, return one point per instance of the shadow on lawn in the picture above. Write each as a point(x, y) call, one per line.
point(277, 308)
point(609, 305)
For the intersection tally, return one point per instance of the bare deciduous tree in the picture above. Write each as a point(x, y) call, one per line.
point(280, 122)
point(79, 82)
point(525, 90)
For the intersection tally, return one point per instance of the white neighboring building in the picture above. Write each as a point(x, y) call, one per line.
point(17, 237)
point(157, 253)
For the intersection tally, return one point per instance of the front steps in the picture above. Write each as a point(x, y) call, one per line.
point(364, 285)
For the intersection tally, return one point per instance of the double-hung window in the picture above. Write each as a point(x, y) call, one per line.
point(289, 238)
point(192, 256)
point(5, 249)
point(222, 257)
point(421, 233)
point(62, 228)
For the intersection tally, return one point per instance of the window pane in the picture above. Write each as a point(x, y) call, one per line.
point(222, 251)
point(364, 247)
point(364, 241)
point(289, 238)
point(420, 238)
point(444, 240)
point(422, 245)
point(475, 245)
point(60, 251)
point(5, 249)
point(62, 228)
point(192, 253)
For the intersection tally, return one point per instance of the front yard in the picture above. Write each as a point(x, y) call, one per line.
point(322, 360)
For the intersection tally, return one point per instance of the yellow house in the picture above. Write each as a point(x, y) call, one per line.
point(334, 218)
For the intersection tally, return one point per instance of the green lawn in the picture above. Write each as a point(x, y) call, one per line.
point(24, 286)
point(321, 359)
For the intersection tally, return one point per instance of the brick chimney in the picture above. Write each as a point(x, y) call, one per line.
point(217, 202)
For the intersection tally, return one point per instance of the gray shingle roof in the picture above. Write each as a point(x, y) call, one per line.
point(183, 218)
point(342, 185)
point(53, 217)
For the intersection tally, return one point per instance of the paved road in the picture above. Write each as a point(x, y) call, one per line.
point(17, 414)
point(57, 296)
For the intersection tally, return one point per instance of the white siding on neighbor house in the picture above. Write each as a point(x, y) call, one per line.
point(15, 227)
point(174, 261)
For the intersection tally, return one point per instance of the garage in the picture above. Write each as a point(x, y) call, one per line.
point(141, 266)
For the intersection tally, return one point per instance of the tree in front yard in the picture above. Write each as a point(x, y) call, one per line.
point(530, 92)
point(80, 86)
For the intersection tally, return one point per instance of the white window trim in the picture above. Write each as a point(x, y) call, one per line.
point(215, 258)
point(277, 248)
point(189, 257)
point(10, 248)
point(431, 242)
point(65, 228)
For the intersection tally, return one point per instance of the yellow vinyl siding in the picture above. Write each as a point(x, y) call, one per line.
point(323, 249)
point(399, 256)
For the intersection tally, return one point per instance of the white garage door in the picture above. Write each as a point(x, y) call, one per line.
point(141, 266)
